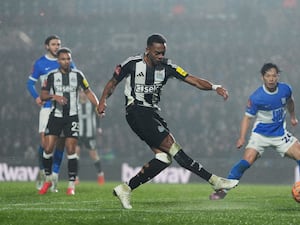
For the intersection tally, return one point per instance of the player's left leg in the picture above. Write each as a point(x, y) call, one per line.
point(195, 167)
point(70, 144)
point(237, 171)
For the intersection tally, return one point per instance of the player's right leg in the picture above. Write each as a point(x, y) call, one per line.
point(47, 160)
point(41, 175)
point(149, 170)
point(57, 160)
point(53, 130)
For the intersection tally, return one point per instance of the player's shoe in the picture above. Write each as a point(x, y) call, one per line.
point(219, 183)
point(101, 179)
point(218, 195)
point(70, 191)
point(45, 188)
point(40, 180)
point(123, 192)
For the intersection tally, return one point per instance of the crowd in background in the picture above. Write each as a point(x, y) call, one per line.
point(226, 43)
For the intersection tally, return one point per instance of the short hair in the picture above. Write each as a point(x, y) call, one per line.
point(51, 37)
point(268, 66)
point(156, 38)
point(63, 50)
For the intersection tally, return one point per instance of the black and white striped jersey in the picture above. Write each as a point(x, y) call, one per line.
point(87, 119)
point(143, 84)
point(66, 85)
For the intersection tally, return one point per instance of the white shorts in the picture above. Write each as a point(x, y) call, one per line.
point(281, 144)
point(43, 120)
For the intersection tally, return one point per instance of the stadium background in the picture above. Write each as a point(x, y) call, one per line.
point(225, 41)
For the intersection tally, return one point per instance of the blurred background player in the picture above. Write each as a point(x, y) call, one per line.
point(62, 87)
point(41, 68)
point(88, 131)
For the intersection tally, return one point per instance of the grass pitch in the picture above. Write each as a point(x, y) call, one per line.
point(176, 204)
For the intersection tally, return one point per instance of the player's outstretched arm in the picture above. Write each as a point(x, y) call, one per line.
point(205, 85)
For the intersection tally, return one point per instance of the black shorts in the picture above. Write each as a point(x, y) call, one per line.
point(147, 124)
point(68, 126)
point(87, 142)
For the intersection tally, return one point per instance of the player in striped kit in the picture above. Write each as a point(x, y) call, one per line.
point(144, 76)
point(62, 87)
point(269, 104)
point(88, 131)
point(41, 68)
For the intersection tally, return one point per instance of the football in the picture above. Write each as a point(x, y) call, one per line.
point(296, 191)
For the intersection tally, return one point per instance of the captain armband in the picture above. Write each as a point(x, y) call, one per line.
point(215, 86)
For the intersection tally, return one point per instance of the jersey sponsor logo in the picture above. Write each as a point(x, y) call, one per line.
point(278, 115)
point(66, 88)
point(147, 89)
point(181, 71)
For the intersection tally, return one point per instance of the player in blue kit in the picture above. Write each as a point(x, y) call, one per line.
point(269, 104)
point(41, 68)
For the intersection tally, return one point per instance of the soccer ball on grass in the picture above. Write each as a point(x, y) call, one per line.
point(296, 191)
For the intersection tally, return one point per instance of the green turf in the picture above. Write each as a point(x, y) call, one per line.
point(175, 204)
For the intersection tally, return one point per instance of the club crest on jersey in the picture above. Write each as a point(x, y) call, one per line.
point(283, 101)
point(159, 75)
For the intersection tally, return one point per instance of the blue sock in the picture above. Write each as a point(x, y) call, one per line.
point(238, 169)
point(40, 157)
point(298, 162)
point(57, 159)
